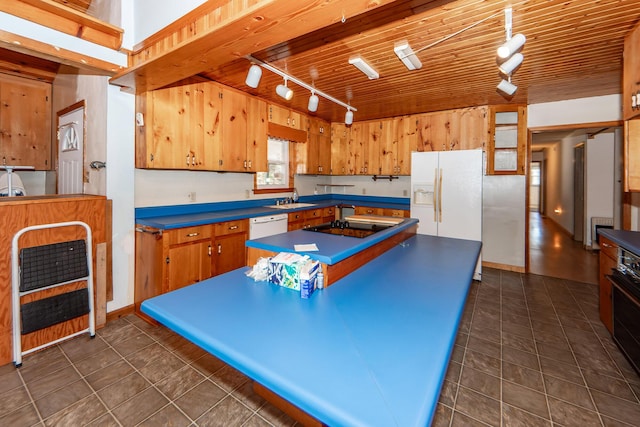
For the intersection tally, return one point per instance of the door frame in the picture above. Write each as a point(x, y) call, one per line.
point(73, 107)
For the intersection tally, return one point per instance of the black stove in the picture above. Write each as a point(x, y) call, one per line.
point(344, 228)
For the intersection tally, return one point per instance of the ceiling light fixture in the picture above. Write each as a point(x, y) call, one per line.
point(509, 53)
point(511, 46)
point(284, 91)
point(507, 87)
point(314, 92)
point(362, 65)
point(253, 76)
point(407, 56)
point(348, 117)
point(313, 102)
point(511, 64)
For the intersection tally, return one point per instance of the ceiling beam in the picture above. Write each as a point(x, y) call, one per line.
point(230, 32)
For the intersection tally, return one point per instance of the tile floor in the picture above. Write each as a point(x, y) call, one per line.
point(530, 351)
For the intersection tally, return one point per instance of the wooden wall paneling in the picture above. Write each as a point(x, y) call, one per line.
point(424, 141)
point(474, 128)
point(389, 137)
point(523, 160)
point(144, 138)
point(374, 142)
point(257, 134)
point(234, 133)
point(407, 142)
point(441, 130)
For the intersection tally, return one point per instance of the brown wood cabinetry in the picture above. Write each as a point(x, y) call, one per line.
point(506, 150)
point(632, 155)
point(309, 218)
point(201, 125)
point(369, 210)
point(313, 157)
point(25, 122)
point(287, 117)
point(229, 251)
point(608, 261)
point(341, 156)
point(631, 74)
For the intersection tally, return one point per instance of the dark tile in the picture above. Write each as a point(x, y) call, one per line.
point(598, 362)
point(453, 372)
point(82, 346)
point(566, 414)
point(9, 379)
point(442, 416)
point(51, 382)
point(23, 416)
point(522, 358)
point(42, 363)
point(478, 406)
point(617, 408)
point(518, 342)
point(248, 397)
point(13, 399)
point(54, 402)
point(461, 420)
point(200, 399)
point(189, 352)
point(228, 378)
point(155, 362)
point(568, 391)
point(80, 413)
point(97, 361)
point(181, 381)
point(118, 392)
point(556, 351)
point(109, 375)
point(230, 412)
point(448, 393)
point(167, 416)
point(257, 421)
point(487, 332)
point(482, 362)
point(525, 398)
point(480, 382)
point(516, 318)
point(117, 330)
point(516, 329)
point(611, 385)
point(457, 355)
point(141, 406)
point(524, 376)
point(133, 344)
point(275, 416)
point(561, 370)
point(514, 417)
point(489, 348)
point(208, 364)
point(106, 420)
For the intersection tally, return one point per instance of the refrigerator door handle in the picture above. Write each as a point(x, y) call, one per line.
point(435, 196)
point(440, 197)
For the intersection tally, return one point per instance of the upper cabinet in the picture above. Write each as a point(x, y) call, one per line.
point(313, 156)
point(631, 75)
point(25, 122)
point(286, 117)
point(201, 126)
point(506, 150)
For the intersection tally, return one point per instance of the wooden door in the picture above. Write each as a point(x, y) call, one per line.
point(360, 147)
point(170, 150)
point(234, 131)
point(25, 122)
point(340, 135)
point(229, 252)
point(212, 125)
point(324, 152)
point(257, 125)
point(408, 138)
point(373, 148)
point(188, 264)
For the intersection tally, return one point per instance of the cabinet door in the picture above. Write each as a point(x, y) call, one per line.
point(340, 155)
point(367, 210)
point(234, 131)
point(229, 252)
point(279, 115)
point(188, 264)
point(407, 139)
point(25, 122)
point(632, 155)
point(256, 135)
point(389, 135)
point(608, 261)
point(324, 153)
point(360, 147)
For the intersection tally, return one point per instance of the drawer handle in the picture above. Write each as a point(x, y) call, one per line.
point(233, 227)
point(606, 245)
point(192, 234)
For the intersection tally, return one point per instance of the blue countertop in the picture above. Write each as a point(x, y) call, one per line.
point(178, 216)
point(331, 248)
point(629, 240)
point(370, 350)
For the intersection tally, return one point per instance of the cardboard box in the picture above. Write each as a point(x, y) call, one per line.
point(294, 271)
point(309, 278)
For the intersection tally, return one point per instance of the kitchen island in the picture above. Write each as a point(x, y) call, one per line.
point(371, 350)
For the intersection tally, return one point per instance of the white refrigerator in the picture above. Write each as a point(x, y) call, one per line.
point(446, 194)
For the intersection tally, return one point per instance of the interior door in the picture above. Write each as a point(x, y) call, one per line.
point(578, 194)
point(71, 149)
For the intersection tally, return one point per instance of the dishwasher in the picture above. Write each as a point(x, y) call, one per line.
point(267, 225)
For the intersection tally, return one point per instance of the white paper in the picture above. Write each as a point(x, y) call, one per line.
point(307, 247)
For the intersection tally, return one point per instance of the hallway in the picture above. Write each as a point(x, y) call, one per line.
point(554, 253)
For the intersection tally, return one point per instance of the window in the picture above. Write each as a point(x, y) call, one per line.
point(277, 175)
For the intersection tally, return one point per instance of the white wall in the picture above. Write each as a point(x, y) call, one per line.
point(599, 180)
point(584, 110)
point(164, 12)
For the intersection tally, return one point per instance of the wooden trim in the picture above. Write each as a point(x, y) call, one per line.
point(285, 132)
point(121, 312)
point(285, 406)
point(66, 20)
point(506, 267)
point(272, 190)
point(42, 50)
point(576, 126)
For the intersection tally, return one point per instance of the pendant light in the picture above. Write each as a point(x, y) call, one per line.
point(253, 76)
point(284, 91)
point(313, 102)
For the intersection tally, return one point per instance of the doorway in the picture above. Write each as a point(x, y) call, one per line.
point(578, 193)
point(71, 148)
point(535, 187)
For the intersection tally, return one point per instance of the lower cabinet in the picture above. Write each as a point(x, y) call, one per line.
point(608, 261)
point(368, 210)
point(170, 259)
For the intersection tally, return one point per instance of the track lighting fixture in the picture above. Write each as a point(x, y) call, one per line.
point(348, 117)
point(507, 87)
point(511, 46)
point(313, 102)
point(362, 65)
point(253, 76)
point(511, 64)
point(407, 56)
point(284, 91)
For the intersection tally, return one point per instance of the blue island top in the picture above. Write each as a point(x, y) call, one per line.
point(629, 240)
point(178, 216)
point(370, 350)
point(331, 248)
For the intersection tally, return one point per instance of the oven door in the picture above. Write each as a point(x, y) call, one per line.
point(626, 317)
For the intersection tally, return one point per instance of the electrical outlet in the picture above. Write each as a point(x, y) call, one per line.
point(192, 196)
point(364, 191)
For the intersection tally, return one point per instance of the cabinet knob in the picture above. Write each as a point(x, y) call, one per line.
point(192, 234)
point(233, 227)
point(219, 248)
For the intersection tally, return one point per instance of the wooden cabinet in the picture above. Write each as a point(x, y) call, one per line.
point(608, 261)
point(314, 156)
point(506, 150)
point(341, 158)
point(201, 125)
point(631, 75)
point(25, 122)
point(308, 218)
point(632, 155)
point(287, 117)
point(328, 214)
point(229, 251)
point(361, 146)
point(369, 210)
point(188, 256)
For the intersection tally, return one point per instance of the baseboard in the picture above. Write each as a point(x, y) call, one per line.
point(121, 312)
point(506, 267)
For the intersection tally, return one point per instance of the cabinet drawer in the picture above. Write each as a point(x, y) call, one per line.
point(398, 213)
point(313, 213)
point(366, 210)
point(231, 227)
point(330, 211)
point(189, 234)
point(608, 248)
point(295, 216)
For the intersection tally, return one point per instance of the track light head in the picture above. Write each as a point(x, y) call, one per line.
point(283, 91)
point(253, 76)
point(511, 46)
point(507, 87)
point(511, 64)
point(348, 117)
point(313, 102)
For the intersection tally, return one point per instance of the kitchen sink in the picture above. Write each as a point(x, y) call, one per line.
point(291, 206)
